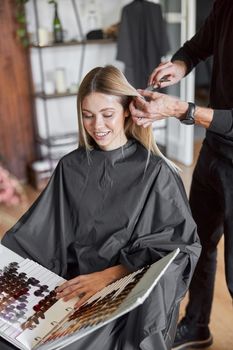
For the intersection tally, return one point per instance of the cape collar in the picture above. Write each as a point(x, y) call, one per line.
point(118, 154)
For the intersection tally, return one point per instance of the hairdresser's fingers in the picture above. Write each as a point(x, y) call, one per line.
point(137, 109)
point(138, 120)
point(138, 116)
point(140, 102)
point(164, 69)
point(141, 118)
point(145, 97)
point(147, 124)
point(143, 121)
point(162, 66)
point(148, 97)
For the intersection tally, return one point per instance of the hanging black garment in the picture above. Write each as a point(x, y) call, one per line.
point(107, 210)
point(142, 40)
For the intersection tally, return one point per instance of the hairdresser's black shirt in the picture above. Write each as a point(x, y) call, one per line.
point(215, 38)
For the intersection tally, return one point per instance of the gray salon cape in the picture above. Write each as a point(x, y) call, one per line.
point(114, 207)
point(142, 40)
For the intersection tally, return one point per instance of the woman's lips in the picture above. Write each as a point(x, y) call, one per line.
point(101, 134)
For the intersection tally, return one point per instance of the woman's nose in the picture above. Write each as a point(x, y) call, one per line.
point(99, 121)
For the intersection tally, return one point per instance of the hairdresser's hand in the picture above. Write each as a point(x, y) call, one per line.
point(159, 106)
point(173, 71)
point(84, 286)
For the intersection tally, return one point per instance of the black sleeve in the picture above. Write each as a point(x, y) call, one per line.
point(222, 122)
point(200, 46)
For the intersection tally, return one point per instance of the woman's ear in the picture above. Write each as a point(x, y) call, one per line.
point(126, 113)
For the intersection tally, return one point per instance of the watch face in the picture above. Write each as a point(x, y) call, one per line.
point(188, 121)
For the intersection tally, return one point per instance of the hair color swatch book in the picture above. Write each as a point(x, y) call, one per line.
point(32, 318)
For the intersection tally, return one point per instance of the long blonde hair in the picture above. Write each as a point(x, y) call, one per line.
point(110, 80)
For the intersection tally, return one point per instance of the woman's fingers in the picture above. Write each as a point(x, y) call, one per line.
point(70, 290)
point(79, 292)
point(83, 299)
point(75, 290)
point(78, 286)
point(72, 287)
point(69, 283)
point(84, 286)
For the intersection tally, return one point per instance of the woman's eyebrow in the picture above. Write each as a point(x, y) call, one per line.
point(86, 110)
point(102, 110)
point(107, 109)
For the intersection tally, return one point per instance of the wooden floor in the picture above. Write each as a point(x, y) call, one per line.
point(222, 313)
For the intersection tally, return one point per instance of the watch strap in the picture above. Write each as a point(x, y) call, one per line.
point(189, 118)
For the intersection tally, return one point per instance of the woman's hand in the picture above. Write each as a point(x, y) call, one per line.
point(84, 286)
point(157, 106)
point(173, 71)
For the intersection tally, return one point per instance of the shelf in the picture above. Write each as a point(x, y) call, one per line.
point(45, 96)
point(59, 140)
point(74, 43)
point(99, 41)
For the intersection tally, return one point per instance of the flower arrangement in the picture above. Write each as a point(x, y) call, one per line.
point(11, 192)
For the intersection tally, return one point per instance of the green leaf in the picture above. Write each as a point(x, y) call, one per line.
point(21, 18)
point(25, 42)
point(21, 32)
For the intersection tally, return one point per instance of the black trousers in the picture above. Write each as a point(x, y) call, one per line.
point(211, 201)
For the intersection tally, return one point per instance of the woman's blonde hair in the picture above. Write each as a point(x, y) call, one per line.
point(110, 80)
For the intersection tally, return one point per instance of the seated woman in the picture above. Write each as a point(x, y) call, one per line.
point(113, 205)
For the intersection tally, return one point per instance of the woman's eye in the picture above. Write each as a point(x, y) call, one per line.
point(108, 115)
point(85, 116)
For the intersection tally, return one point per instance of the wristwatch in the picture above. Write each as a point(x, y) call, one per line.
point(188, 118)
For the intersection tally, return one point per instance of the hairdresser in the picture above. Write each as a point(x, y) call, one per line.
point(211, 196)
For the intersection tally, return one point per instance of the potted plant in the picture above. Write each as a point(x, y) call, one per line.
point(21, 31)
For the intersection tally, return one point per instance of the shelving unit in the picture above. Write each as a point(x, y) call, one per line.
point(50, 142)
point(53, 144)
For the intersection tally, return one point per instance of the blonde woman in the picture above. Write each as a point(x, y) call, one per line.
point(113, 205)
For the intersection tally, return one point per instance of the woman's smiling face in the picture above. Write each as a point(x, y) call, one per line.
point(104, 119)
